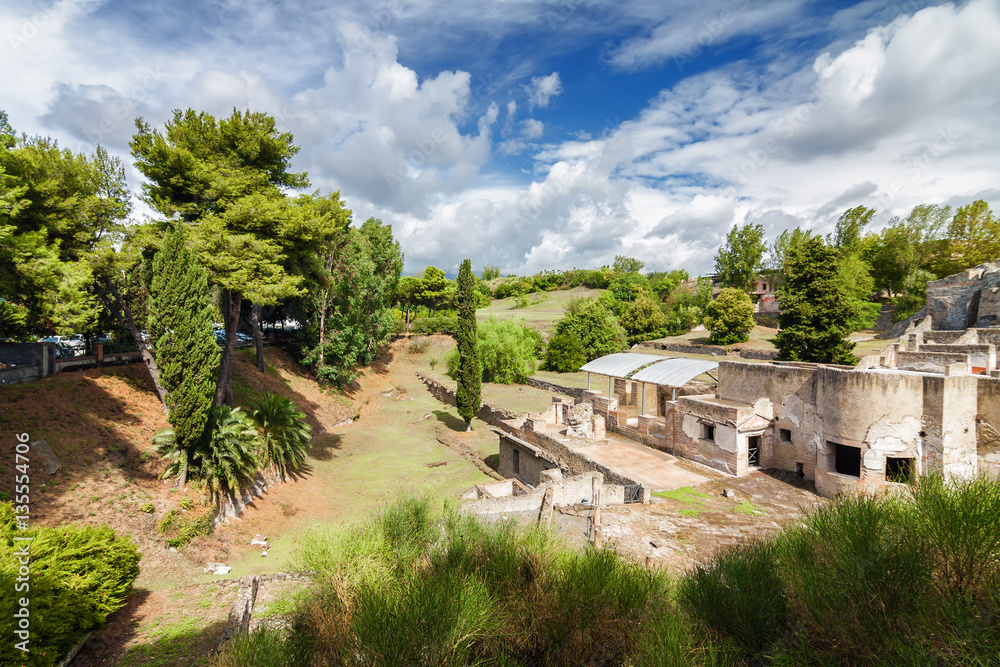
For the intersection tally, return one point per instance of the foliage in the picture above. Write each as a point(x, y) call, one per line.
point(974, 236)
point(913, 296)
point(815, 317)
point(417, 588)
point(429, 325)
point(348, 308)
point(61, 215)
point(564, 354)
point(181, 323)
point(850, 225)
point(223, 461)
point(625, 289)
point(741, 259)
point(596, 328)
point(624, 265)
point(182, 527)
point(283, 433)
point(643, 318)
point(663, 284)
point(79, 575)
point(508, 350)
point(729, 318)
point(469, 371)
point(227, 179)
point(854, 276)
point(490, 272)
point(513, 287)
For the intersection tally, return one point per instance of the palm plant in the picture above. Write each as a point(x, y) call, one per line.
point(283, 433)
point(223, 460)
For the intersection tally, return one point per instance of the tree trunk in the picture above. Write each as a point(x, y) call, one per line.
point(322, 330)
point(231, 302)
point(121, 311)
point(184, 470)
point(258, 337)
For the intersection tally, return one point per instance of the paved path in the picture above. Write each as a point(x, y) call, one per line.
point(655, 469)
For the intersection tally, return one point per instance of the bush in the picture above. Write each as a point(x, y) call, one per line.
point(729, 318)
point(416, 588)
point(431, 325)
point(283, 433)
point(508, 351)
point(596, 328)
point(79, 575)
point(564, 354)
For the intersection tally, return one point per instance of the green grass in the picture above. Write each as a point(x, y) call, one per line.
point(747, 507)
point(542, 312)
point(687, 512)
point(891, 580)
point(685, 494)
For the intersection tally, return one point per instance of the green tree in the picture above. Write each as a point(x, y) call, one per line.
point(283, 434)
point(596, 328)
point(850, 228)
point(490, 272)
point(187, 354)
point(624, 264)
point(227, 180)
point(729, 318)
point(740, 260)
point(224, 461)
point(349, 307)
point(815, 317)
point(643, 318)
point(434, 288)
point(470, 373)
point(974, 235)
point(507, 349)
point(564, 353)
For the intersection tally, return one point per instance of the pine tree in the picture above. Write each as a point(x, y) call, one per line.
point(186, 351)
point(470, 374)
point(815, 313)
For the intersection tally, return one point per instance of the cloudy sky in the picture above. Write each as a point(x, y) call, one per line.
point(549, 134)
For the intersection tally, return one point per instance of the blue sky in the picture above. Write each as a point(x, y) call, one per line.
point(553, 134)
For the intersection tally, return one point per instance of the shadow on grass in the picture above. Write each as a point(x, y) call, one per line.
point(451, 421)
point(322, 447)
point(182, 643)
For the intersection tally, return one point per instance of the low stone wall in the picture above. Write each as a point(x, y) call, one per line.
point(751, 353)
point(713, 350)
point(575, 392)
point(660, 444)
point(930, 362)
point(490, 414)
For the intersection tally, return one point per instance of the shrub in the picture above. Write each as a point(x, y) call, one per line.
point(596, 328)
point(564, 354)
point(79, 575)
point(430, 325)
point(282, 433)
point(508, 351)
point(729, 318)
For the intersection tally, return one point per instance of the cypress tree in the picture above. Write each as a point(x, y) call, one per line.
point(470, 373)
point(180, 312)
point(815, 311)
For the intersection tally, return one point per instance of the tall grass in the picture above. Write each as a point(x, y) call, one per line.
point(891, 580)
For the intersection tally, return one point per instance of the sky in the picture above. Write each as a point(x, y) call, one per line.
point(548, 135)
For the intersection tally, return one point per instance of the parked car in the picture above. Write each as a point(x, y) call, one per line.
point(243, 338)
point(53, 339)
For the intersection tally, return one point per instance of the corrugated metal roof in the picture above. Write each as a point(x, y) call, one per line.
point(674, 372)
point(621, 364)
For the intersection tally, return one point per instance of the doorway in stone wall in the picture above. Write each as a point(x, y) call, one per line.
point(753, 451)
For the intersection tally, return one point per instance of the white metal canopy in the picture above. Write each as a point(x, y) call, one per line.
point(621, 364)
point(674, 372)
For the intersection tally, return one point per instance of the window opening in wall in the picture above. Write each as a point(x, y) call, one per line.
point(753, 451)
point(517, 461)
point(847, 459)
point(785, 435)
point(708, 432)
point(800, 470)
point(898, 470)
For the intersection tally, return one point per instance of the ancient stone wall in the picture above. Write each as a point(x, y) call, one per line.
point(966, 299)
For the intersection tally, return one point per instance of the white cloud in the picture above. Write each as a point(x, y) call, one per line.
point(543, 89)
point(893, 116)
